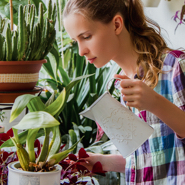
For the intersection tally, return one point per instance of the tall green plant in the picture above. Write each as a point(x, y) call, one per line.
point(5, 7)
point(34, 36)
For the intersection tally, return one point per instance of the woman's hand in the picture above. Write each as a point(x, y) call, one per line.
point(92, 159)
point(137, 94)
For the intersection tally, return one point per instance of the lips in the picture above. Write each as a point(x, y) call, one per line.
point(91, 60)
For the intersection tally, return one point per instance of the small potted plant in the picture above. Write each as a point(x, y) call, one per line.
point(22, 51)
point(41, 120)
point(73, 172)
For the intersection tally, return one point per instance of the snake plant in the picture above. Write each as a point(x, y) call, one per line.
point(34, 37)
point(42, 119)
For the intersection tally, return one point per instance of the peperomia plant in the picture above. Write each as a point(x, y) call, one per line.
point(41, 120)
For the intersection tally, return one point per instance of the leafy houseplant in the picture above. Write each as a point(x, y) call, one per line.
point(41, 120)
point(22, 51)
point(73, 172)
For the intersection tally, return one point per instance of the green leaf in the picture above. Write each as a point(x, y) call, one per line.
point(35, 120)
point(36, 104)
point(51, 99)
point(19, 105)
point(67, 57)
point(74, 82)
point(64, 77)
point(15, 132)
point(48, 68)
point(30, 140)
point(22, 138)
point(56, 106)
point(84, 129)
point(56, 158)
point(94, 149)
point(56, 142)
point(53, 63)
point(45, 148)
point(73, 138)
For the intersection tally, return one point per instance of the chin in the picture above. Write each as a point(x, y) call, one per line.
point(99, 65)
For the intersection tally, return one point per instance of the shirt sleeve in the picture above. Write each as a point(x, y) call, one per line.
point(178, 85)
point(178, 88)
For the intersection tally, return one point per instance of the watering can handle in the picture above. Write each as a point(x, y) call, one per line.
point(123, 101)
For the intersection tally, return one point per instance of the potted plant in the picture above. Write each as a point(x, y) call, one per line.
point(23, 50)
point(73, 172)
point(41, 120)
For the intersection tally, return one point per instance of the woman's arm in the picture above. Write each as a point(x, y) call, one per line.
point(137, 94)
point(110, 162)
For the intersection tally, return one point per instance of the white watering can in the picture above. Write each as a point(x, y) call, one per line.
point(126, 130)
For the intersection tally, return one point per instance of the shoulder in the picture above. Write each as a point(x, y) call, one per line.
point(173, 57)
point(174, 61)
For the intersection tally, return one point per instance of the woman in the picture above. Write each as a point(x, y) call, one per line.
point(153, 82)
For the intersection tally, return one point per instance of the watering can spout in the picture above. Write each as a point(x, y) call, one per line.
point(88, 114)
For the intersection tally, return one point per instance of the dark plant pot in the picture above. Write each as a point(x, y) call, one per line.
point(19, 75)
point(9, 97)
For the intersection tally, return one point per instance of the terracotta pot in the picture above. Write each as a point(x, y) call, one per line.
point(9, 97)
point(19, 75)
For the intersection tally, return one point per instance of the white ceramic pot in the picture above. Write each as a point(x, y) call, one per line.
point(19, 177)
point(151, 3)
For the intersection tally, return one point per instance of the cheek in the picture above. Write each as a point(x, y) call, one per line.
point(104, 44)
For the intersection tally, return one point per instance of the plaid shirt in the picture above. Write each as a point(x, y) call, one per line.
point(161, 159)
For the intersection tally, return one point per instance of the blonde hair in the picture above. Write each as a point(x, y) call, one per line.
point(145, 33)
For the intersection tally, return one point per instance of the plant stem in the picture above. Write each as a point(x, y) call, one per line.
point(58, 15)
point(11, 14)
point(61, 27)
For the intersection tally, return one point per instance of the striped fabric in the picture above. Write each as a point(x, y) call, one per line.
point(19, 78)
point(161, 159)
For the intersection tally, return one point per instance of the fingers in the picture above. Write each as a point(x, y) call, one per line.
point(121, 76)
point(128, 98)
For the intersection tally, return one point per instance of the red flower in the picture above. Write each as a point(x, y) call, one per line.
point(72, 157)
point(82, 153)
point(73, 169)
point(38, 146)
point(97, 169)
point(5, 136)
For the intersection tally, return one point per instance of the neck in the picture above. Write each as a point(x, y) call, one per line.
point(126, 56)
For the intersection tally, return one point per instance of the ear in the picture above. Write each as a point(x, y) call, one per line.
point(118, 23)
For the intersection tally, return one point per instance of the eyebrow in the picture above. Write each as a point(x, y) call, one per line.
point(80, 34)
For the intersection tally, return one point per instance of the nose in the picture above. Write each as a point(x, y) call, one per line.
point(82, 49)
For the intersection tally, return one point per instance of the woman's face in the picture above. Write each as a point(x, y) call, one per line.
point(98, 42)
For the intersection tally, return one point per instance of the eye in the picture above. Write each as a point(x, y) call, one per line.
point(88, 37)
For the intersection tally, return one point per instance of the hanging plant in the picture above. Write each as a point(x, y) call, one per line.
point(180, 19)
